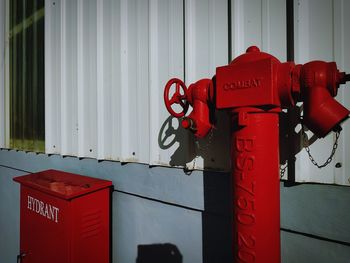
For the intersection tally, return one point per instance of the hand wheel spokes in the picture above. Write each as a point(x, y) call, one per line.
point(177, 97)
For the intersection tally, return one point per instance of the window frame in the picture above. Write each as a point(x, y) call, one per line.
point(5, 117)
point(6, 84)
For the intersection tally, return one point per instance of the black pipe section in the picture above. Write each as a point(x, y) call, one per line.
point(347, 78)
point(290, 29)
point(292, 113)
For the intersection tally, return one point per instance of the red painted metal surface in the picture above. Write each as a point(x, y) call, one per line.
point(259, 79)
point(255, 87)
point(64, 218)
point(320, 82)
point(255, 176)
point(179, 97)
point(255, 79)
point(61, 184)
point(197, 95)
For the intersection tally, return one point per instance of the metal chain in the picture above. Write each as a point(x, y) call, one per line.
point(307, 148)
point(283, 170)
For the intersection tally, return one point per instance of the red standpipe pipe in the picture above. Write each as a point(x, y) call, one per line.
point(255, 176)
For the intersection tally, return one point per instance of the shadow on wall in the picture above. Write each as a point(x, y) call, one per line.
point(214, 149)
point(291, 134)
point(293, 139)
point(158, 253)
point(171, 133)
point(216, 217)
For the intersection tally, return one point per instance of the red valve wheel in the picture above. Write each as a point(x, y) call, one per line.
point(177, 97)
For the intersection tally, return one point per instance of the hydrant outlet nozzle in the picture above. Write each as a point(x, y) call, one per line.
point(346, 77)
point(343, 77)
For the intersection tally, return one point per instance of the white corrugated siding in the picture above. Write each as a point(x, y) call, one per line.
point(322, 33)
point(107, 63)
point(261, 23)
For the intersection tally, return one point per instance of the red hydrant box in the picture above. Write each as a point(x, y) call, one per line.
point(64, 218)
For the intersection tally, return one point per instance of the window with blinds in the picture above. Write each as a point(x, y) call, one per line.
point(26, 67)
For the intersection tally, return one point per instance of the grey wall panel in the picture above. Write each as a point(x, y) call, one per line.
point(138, 221)
point(9, 215)
point(321, 210)
point(297, 248)
point(198, 190)
point(166, 184)
point(313, 209)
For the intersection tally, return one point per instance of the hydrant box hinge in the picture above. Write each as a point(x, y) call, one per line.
point(64, 217)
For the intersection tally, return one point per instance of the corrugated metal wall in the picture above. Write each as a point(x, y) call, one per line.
point(322, 33)
point(107, 63)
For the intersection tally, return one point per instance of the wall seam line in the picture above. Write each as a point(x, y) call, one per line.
point(344, 243)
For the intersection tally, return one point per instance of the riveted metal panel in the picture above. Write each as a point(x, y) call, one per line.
point(69, 89)
point(108, 80)
point(87, 78)
point(52, 77)
point(134, 99)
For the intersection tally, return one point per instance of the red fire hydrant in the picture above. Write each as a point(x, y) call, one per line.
point(255, 87)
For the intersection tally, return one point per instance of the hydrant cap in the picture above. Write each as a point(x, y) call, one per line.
point(252, 49)
point(253, 54)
